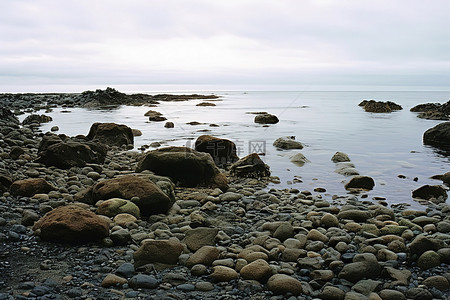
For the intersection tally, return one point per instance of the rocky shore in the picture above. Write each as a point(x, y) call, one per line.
point(85, 217)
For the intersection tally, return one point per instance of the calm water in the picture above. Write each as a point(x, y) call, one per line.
point(380, 145)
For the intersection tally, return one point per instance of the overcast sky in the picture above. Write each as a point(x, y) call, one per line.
point(298, 42)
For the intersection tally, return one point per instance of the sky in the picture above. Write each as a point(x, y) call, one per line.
point(307, 43)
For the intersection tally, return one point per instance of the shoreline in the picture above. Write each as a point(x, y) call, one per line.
point(259, 242)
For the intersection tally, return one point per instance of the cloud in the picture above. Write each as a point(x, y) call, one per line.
point(233, 41)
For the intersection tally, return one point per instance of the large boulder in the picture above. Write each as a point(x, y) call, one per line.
point(185, 166)
point(71, 224)
point(111, 134)
point(433, 111)
point(67, 154)
point(223, 151)
point(250, 166)
point(287, 143)
point(36, 119)
point(266, 119)
point(428, 192)
point(147, 195)
point(164, 252)
point(360, 182)
point(438, 136)
point(379, 106)
point(31, 186)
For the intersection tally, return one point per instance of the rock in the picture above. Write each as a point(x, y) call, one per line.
point(446, 178)
point(36, 119)
point(424, 243)
point(281, 284)
point(346, 169)
point(64, 154)
point(142, 281)
point(124, 219)
point(360, 182)
point(115, 206)
point(354, 214)
point(205, 104)
point(258, 270)
point(222, 151)
point(230, 196)
point(367, 286)
point(419, 294)
point(31, 186)
point(205, 256)
point(250, 166)
point(158, 251)
point(169, 125)
point(201, 236)
point(120, 237)
point(111, 134)
point(5, 182)
point(363, 266)
point(437, 281)
point(316, 235)
point(113, 280)
point(332, 293)
point(283, 232)
point(16, 152)
point(429, 192)
point(340, 157)
point(146, 195)
point(328, 220)
point(379, 106)
point(429, 259)
point(184, 166)
point(287, 143)
point(223, 274)
point(266, 119)
point(125, 270)
point(136, 132)
point(71, 224)
point(400, 277)
point(438, 136)
point(299, 159)
point(391, 295)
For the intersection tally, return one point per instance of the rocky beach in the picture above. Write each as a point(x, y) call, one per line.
point(91, 217)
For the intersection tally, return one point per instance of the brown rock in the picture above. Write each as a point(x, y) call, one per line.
point(111, 134)
point(71, 224)
point(199, 237)
point(205, 256)
point(258, 270)
point(158, 251)
point(31, 186)
point(223, 274)
point(281, 284)
point(113, 280)
point(222, 151)
point(250, 166)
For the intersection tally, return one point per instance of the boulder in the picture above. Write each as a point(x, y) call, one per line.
point(31, 186)
point(299, 159)
point(363, 266)
point(281, 284)
point(340, 157)
point(222, 151)
point(201, 236)
point(155, 116)
point(429, 259)
point(158, 251)
point(287, 143)
point(428, 192)
point(184, 166)
point(360, 182)
point(379, 106)
point(36, 119)
point(423, 243)
point(169, 125)
point(65, 155)
point(111, 134)
point(223, 274)
point(266, 119)
point(147, 195)
point(115, 206)
point(5, 182)
point(205, 256)
point(71, 224)
point(258, 270)
point(438, 136)
point(250, 166)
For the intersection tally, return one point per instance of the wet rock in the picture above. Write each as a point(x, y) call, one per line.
point(435, 193)
point(281, 284)
point(299, 159)
point(36, 119)
point(71, 224)
point(388, 294)
point(258, 270)
point(158, 251)
point(437, 281)
point(250, 166)
point(205, 256)
point(354, 214)
point(169, 125)
point(379, 106)
point(223, 274)
point(113, 280)
point(329, 220)
point(222, 151)
point(332, 293)
point(419, 294)
point(201, 236)
point(31, 186)
point(111, 134)
point(287, 143)
point(115, 206)
point(184, 166)
point(367, 286)
point(429, 259)
point(266, 119)
point(360, 182)
point(363, 266)
point(424, 243)
point(438, 136)
point(340, 157)
point(145, 194)
point(205, 104)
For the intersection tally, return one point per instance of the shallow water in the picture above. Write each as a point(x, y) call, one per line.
point(380, 145)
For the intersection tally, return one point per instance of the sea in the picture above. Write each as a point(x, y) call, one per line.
point(386, 146)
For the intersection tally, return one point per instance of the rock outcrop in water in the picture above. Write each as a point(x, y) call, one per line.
point(433, 111)
point(438, 136)
point(379, 106)
point(266, 118)
point(222, 151)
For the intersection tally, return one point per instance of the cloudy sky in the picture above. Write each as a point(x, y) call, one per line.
point(229, 42)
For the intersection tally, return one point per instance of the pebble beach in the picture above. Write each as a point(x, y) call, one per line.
point(101, 220)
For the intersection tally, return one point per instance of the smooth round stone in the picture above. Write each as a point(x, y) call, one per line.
point(143, 281)
point(204, 286)
point(199, 270)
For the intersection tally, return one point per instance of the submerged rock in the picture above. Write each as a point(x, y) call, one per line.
point(360, 182)
point(36, 119)
point(340, 157)
point(266, 119)
point(250, 166)
point(428, 192)
point(288, 142)
point(438, 136)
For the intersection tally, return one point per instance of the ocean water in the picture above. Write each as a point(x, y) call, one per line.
point(380, 145)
